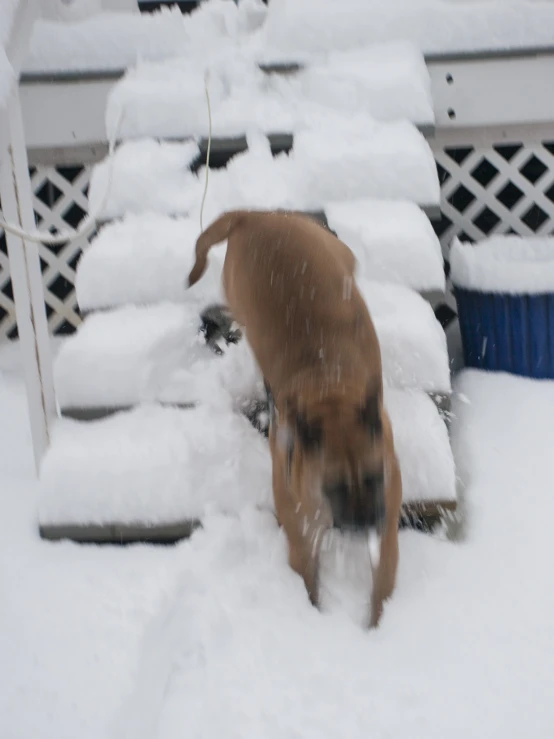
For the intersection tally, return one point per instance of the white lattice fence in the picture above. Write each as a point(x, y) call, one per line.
point(60, 202)
point(502, 189)
point(494, 189)
point(486, 189)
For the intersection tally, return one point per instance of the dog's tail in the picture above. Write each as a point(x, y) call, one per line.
point(216, 232)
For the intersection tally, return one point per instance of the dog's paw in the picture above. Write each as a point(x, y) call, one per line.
point(218, 325)
point(257, 412)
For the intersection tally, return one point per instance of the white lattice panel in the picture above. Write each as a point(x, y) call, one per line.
point(59, 202)
point(507, 188)
point(494, 189)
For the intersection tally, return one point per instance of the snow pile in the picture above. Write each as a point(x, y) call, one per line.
point(393, 242)
point(299, 28)
point(144, 259)
point(144, 175)
point(169, 625)
point(356, 159)
point(154, 465)
point(504, 264)
point(353, 158)
point(388, 82)
point(413, 344)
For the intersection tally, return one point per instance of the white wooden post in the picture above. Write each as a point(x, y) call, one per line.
point(17, 206)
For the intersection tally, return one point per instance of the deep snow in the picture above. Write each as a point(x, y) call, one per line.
point(215, 637)
point(291, 28)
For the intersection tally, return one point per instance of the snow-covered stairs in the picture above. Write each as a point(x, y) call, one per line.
point(164, 440)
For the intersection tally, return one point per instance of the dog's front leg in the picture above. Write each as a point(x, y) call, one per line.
point(384, 575)
point(304, 560)
point(303, 548)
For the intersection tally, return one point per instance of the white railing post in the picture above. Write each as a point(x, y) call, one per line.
point(17, 206)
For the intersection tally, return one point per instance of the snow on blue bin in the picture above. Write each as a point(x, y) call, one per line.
point(504, 288)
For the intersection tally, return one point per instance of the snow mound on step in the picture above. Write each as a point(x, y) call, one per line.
point(413, 345)
point(153, 465)
point(422, 446)
point(393, 241)
point(144, 176)
point(145, 259)
point(298, 28)
point(354, 159)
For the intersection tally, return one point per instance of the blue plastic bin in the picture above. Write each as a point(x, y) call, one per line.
point(507, 333)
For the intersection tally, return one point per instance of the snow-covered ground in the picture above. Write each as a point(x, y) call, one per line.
point(216, 637)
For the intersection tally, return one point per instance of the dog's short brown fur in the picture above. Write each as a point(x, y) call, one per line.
point(290, 283)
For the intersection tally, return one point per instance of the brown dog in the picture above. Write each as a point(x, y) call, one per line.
point(290, 284)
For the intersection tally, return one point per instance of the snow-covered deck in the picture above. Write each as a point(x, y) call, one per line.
point(216, 636)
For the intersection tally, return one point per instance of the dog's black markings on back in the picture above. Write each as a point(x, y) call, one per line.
point(217, 324)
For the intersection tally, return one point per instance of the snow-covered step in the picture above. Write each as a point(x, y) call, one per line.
point(298, 29)
point(413, 345)
point(133, 354)
point(424, 453)
point(329, 163)
point(393, 241)
point(145, 258)
point(118, 359)
point(167, 100)
point(152, 467)
point(152, 473)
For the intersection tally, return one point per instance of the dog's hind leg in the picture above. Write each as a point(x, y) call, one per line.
point(384, 575)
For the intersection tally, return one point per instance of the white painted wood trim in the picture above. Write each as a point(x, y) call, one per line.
point(487, 92)
point(17, 204)
point(511, 91)
point(62, 114)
